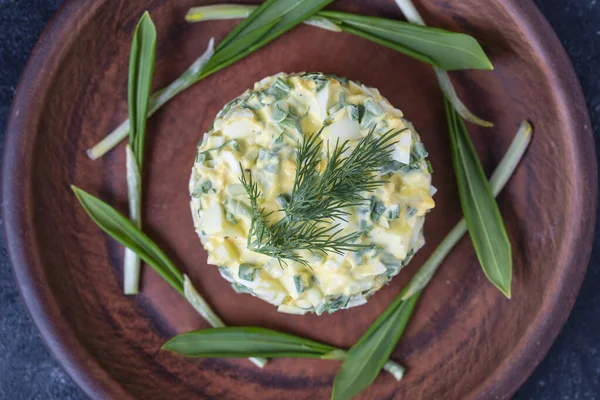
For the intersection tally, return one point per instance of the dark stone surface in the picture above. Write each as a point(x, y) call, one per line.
point(570, 371)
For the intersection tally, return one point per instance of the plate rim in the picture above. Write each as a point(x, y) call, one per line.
point(94, 380)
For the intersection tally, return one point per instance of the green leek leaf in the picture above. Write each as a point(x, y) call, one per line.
point(480, 209)
point(444, 49)
point(141, 70)
point(269, 21)
point(241, 342)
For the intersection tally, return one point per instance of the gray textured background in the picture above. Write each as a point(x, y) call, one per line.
point(570, 371)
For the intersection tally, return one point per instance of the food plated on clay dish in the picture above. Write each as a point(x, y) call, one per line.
point(310, 192)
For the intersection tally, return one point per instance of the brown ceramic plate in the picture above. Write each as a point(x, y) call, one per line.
point(465, 341)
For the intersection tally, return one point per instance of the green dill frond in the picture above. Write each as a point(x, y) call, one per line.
point(318, 199)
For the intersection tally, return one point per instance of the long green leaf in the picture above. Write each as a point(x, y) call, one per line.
point(447, 50)
point(141, 70)
point(279, 15)
point(239, 46)
point(366, 358)
point(245, 342)
point(387, 43)
point(130, 236)
point(237, 11)
point(480, 209)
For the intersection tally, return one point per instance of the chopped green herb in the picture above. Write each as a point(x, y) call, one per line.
point(419, 151)
point(393, 212)
point(408, 257)
point(228, 106)
point(206, 186)
point(335, 108)
point(410, 212)
point(364, 226)
point(225, 272)
point(299, 284)
point(393, 166)
point(265, 154)
point(241, 289)
point(353, 112)
point(376, 251)
point(377, 210)
point(205, 155)
point(368, 119)
point(429, 167)
point(272, 168)
point(361, 113)
point(321, 84)
point(337, 303)
point(230, 217)
point(253, 102)
point(373, 107)
point(340, 79)
point(279, 113)
point(391, 263)
point(246, 272)
point(292, 124)
point(279, 89)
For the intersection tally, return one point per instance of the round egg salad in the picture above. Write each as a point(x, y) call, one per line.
point(260, 133)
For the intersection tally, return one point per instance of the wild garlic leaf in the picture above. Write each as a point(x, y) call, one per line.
point(141, 70)
point(269, 21)
point(441, 48)
point(366, 358)
point(480, 209)
point(240, 342)
point(235, 11)
point(126, 233)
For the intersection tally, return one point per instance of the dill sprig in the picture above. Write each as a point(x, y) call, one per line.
point(318, 199)
point(283, 239)
point(324, 196)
